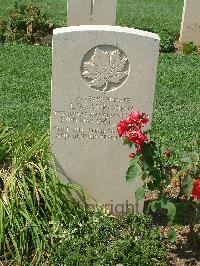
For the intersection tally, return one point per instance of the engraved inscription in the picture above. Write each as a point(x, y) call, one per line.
point(91, 118)
point(105, 68)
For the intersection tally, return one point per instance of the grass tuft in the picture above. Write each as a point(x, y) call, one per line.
point(42, 224)
point(32, 198)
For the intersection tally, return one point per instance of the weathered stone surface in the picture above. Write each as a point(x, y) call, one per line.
point(100, 74)
point(91, 12)
point(190, 28)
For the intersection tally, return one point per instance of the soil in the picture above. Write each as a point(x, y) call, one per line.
point(45, 40)
point(179, 47)
point(182, 252)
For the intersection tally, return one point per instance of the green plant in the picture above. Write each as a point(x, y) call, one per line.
point(167, 43)
point(26, 24)
point(157, 15)
point(2, 30)
point(189, 48)
point(31, 198)
point(41, 223)
point(25, 72)
point(187, 178)
point(176, 104)
point(158, 172)
point(104, 240)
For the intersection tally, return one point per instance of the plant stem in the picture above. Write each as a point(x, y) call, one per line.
point(192, 215)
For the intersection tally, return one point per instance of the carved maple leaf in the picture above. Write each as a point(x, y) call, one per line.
point(104, 68)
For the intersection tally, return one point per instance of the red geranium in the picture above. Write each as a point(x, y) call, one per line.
point(137, 136)
point(135, 117)
point(139, 149)
point(134, 121)
point(196, 189)
point(138, 119)
point(121, 127)
point(131, 155)
point(131, 128)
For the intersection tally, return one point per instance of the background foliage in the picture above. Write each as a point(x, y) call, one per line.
point(42, 224)
point(25, 85)
point(162, 17)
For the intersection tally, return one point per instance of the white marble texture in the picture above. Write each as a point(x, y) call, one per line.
point(91, 12)
point(190, 27)
point(100, 74)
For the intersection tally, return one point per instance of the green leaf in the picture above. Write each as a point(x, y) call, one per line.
point(143, 165)
point(127, 142)
point(195, 156)
point(187, 185)
point(186, 157)
point(171, 210)
point(155, 173)
point(171, 234)
point(155, 205)
point(134, 160)
point(2, 154)
point(148, 152)
point(164, 201)
point(131, 173)
point(140, 193)
point(151, 186)
point(144, 175)
point(130, 144)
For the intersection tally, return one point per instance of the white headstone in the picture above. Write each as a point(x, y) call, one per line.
point(190, 28)
point(91, 12)
point(100, 74)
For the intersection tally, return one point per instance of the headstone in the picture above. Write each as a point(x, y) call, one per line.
point(190, 28)
point(100, 74)
point(91, 12)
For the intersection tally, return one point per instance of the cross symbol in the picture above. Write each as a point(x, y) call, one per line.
point(92, 9)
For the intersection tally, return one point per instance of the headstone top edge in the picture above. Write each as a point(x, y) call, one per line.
point(106, 28)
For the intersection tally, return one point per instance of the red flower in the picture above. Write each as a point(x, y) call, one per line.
point(168, 153)
point(137, 136)
point(131, 155)
point(144, 119)
point(139, 149)
point(133, 121)
point(121, 127)
point(135, 117)
point(138, 119)
point(128, 120)
point(196, 189)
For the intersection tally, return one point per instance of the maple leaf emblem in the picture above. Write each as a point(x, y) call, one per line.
point(105, 68)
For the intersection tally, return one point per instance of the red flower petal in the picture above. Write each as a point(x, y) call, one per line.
point(196, 189)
